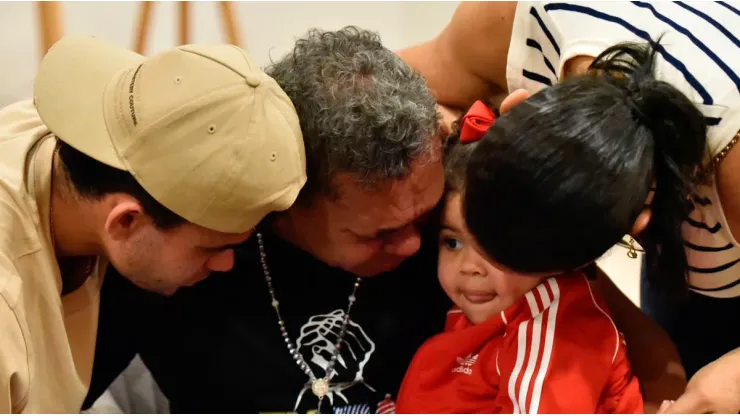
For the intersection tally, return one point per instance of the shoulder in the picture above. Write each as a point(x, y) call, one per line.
point(21, 130)
point(565, 308)
point(568, 320)
point(21, 133)
point(20, 120)
point(17, 239)
point(566, 313)
point(560, 319)
point(18, 220)
point(583, 317)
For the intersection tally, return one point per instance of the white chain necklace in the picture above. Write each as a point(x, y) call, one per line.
point(319, 386)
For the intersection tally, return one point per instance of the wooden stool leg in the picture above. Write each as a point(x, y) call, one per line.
point(229, 22)
point(50, 21)
point(142, 30)
point(184, 22)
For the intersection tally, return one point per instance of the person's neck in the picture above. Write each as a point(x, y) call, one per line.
point(72, 220)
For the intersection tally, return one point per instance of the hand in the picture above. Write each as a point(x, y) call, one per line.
point(713, 389)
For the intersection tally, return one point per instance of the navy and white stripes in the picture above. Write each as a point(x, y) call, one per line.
point(699, 54)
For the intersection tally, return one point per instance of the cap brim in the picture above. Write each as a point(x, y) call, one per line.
point(69, 90)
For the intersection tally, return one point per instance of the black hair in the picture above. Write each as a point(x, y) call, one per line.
point(562, 177)
point(93, 180)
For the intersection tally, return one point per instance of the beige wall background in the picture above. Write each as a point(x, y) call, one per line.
point(268, 29)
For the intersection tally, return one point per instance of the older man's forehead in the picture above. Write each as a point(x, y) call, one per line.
point(399, 203)
point(401, 211)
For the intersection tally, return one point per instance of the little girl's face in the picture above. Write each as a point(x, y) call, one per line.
point(477, 286)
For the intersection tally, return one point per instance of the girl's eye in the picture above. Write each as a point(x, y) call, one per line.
point(452, 243)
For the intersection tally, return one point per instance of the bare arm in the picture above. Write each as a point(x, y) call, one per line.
point(654, 358)
point(467, 60)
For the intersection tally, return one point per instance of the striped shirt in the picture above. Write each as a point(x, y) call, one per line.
point(699, 55)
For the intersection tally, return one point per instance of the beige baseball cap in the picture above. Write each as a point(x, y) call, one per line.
point(201, 128)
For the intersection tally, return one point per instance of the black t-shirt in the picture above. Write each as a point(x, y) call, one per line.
point(217, 347)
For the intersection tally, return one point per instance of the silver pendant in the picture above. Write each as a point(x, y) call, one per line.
point(320, 387)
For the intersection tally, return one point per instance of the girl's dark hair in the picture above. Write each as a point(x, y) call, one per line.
point(562, 177)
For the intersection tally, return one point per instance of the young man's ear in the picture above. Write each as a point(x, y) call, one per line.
point(124, 217)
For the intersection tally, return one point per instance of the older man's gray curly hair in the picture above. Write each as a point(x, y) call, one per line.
point(362, 109)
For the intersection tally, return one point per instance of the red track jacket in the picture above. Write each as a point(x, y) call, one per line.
point(554, 351)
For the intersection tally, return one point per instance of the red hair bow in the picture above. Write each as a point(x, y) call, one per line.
point(476, 122)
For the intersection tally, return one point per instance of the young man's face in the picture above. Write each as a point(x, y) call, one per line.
point(471, 281)
point(367, 232)
point(164, 260)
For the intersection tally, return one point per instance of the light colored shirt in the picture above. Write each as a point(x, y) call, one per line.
point(48, 340)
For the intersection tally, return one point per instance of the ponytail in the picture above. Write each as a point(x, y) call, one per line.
point(678, 132)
